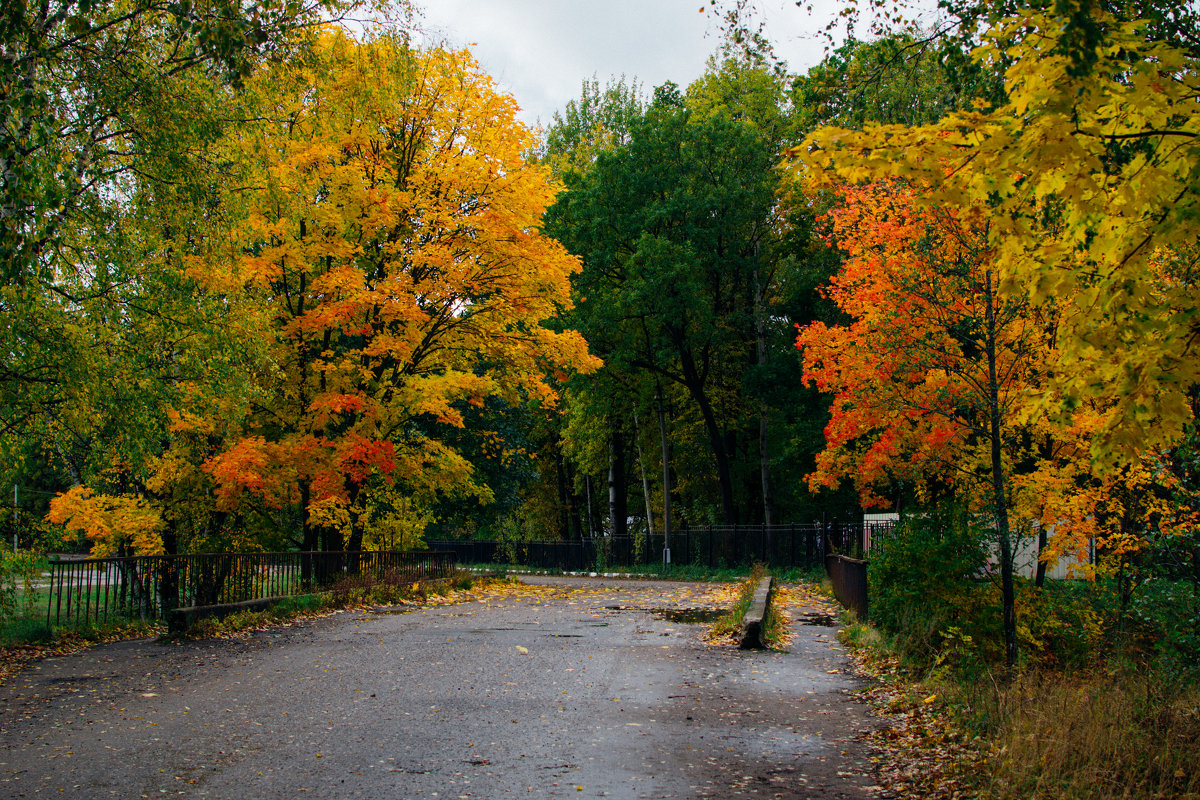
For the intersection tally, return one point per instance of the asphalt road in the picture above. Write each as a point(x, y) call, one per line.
point(571, 688)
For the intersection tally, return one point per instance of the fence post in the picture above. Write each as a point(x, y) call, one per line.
point(822, 544)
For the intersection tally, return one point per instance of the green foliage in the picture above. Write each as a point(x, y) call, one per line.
point(1064, 624)
point(17, 574)
point(87, 88)
point(29, 633)
point(901, 79)
point(24, 631)
point(681, 274)
point(934, 596)
point(924, 583)
point(1164, 609)
point(598, 121)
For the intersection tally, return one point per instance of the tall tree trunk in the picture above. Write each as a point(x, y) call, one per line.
point(764, 459)
point(666, 467)
point(564, 495)
point(637, 438)
point(1047, 452)
point(574, 512)
point(169, 579)
point(591, 515)
point(355, 543)
point(308, 534)
point(999, 495)
point(618, 500)
point(1040, 579)
point(716, 440)
point(765, 467)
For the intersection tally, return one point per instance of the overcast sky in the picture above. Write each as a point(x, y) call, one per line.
point(542, 50)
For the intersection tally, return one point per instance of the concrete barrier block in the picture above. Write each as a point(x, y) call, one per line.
point(752, 622)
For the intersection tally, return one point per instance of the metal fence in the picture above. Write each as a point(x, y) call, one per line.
point(798, 545)
point(150, 587)
point(849, 579)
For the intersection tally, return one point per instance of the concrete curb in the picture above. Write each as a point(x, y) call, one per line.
point(182, 619)
point(752, 622)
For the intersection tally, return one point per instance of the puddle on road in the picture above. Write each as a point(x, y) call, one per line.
point(817, 618)
point(685, 616)
point(689, 616)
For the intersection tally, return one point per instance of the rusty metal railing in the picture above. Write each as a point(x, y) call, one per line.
point(849, 579)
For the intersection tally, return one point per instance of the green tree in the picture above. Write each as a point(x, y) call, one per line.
point(672, 228)
point(88, 87)
point(901, 79)
point(598, 120)
point(107, 110)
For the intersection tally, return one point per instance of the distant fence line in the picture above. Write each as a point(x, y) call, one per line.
point(151, 587)
point(712, 546)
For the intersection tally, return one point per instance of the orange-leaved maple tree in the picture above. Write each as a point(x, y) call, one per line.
point(931, 374)
point(391, 236)
point(1098, 138)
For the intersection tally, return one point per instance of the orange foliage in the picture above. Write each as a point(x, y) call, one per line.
point(909, 380)
point(906, 373)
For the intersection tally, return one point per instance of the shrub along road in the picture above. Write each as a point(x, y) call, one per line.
point(564, 687)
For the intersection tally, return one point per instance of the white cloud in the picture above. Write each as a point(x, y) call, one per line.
point(542, 50)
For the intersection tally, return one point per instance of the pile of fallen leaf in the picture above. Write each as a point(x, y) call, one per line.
point(784, 602)
point(923, 753)
point(242, 625)
point(13, 658)
point(724, 596)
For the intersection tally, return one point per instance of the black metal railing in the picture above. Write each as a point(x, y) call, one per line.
point(713, 546)
point(150, 587)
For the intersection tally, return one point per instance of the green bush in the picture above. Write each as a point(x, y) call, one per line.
point(1062, 624)
point(924, 585)
point(1167, 612)
point(17, 570)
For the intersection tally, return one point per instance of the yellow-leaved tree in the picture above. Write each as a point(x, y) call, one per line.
point(1084, 177)
point(391, 237)
point(1088, 170)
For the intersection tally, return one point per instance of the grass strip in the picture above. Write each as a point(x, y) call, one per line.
point(1086, 733)
point(727, 628)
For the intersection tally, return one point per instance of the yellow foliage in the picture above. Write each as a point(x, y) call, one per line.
point(112, 523)
point(1072, 226)
point(392, 234)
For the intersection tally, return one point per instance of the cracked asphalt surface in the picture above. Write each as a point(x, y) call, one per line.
point(577, 688)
